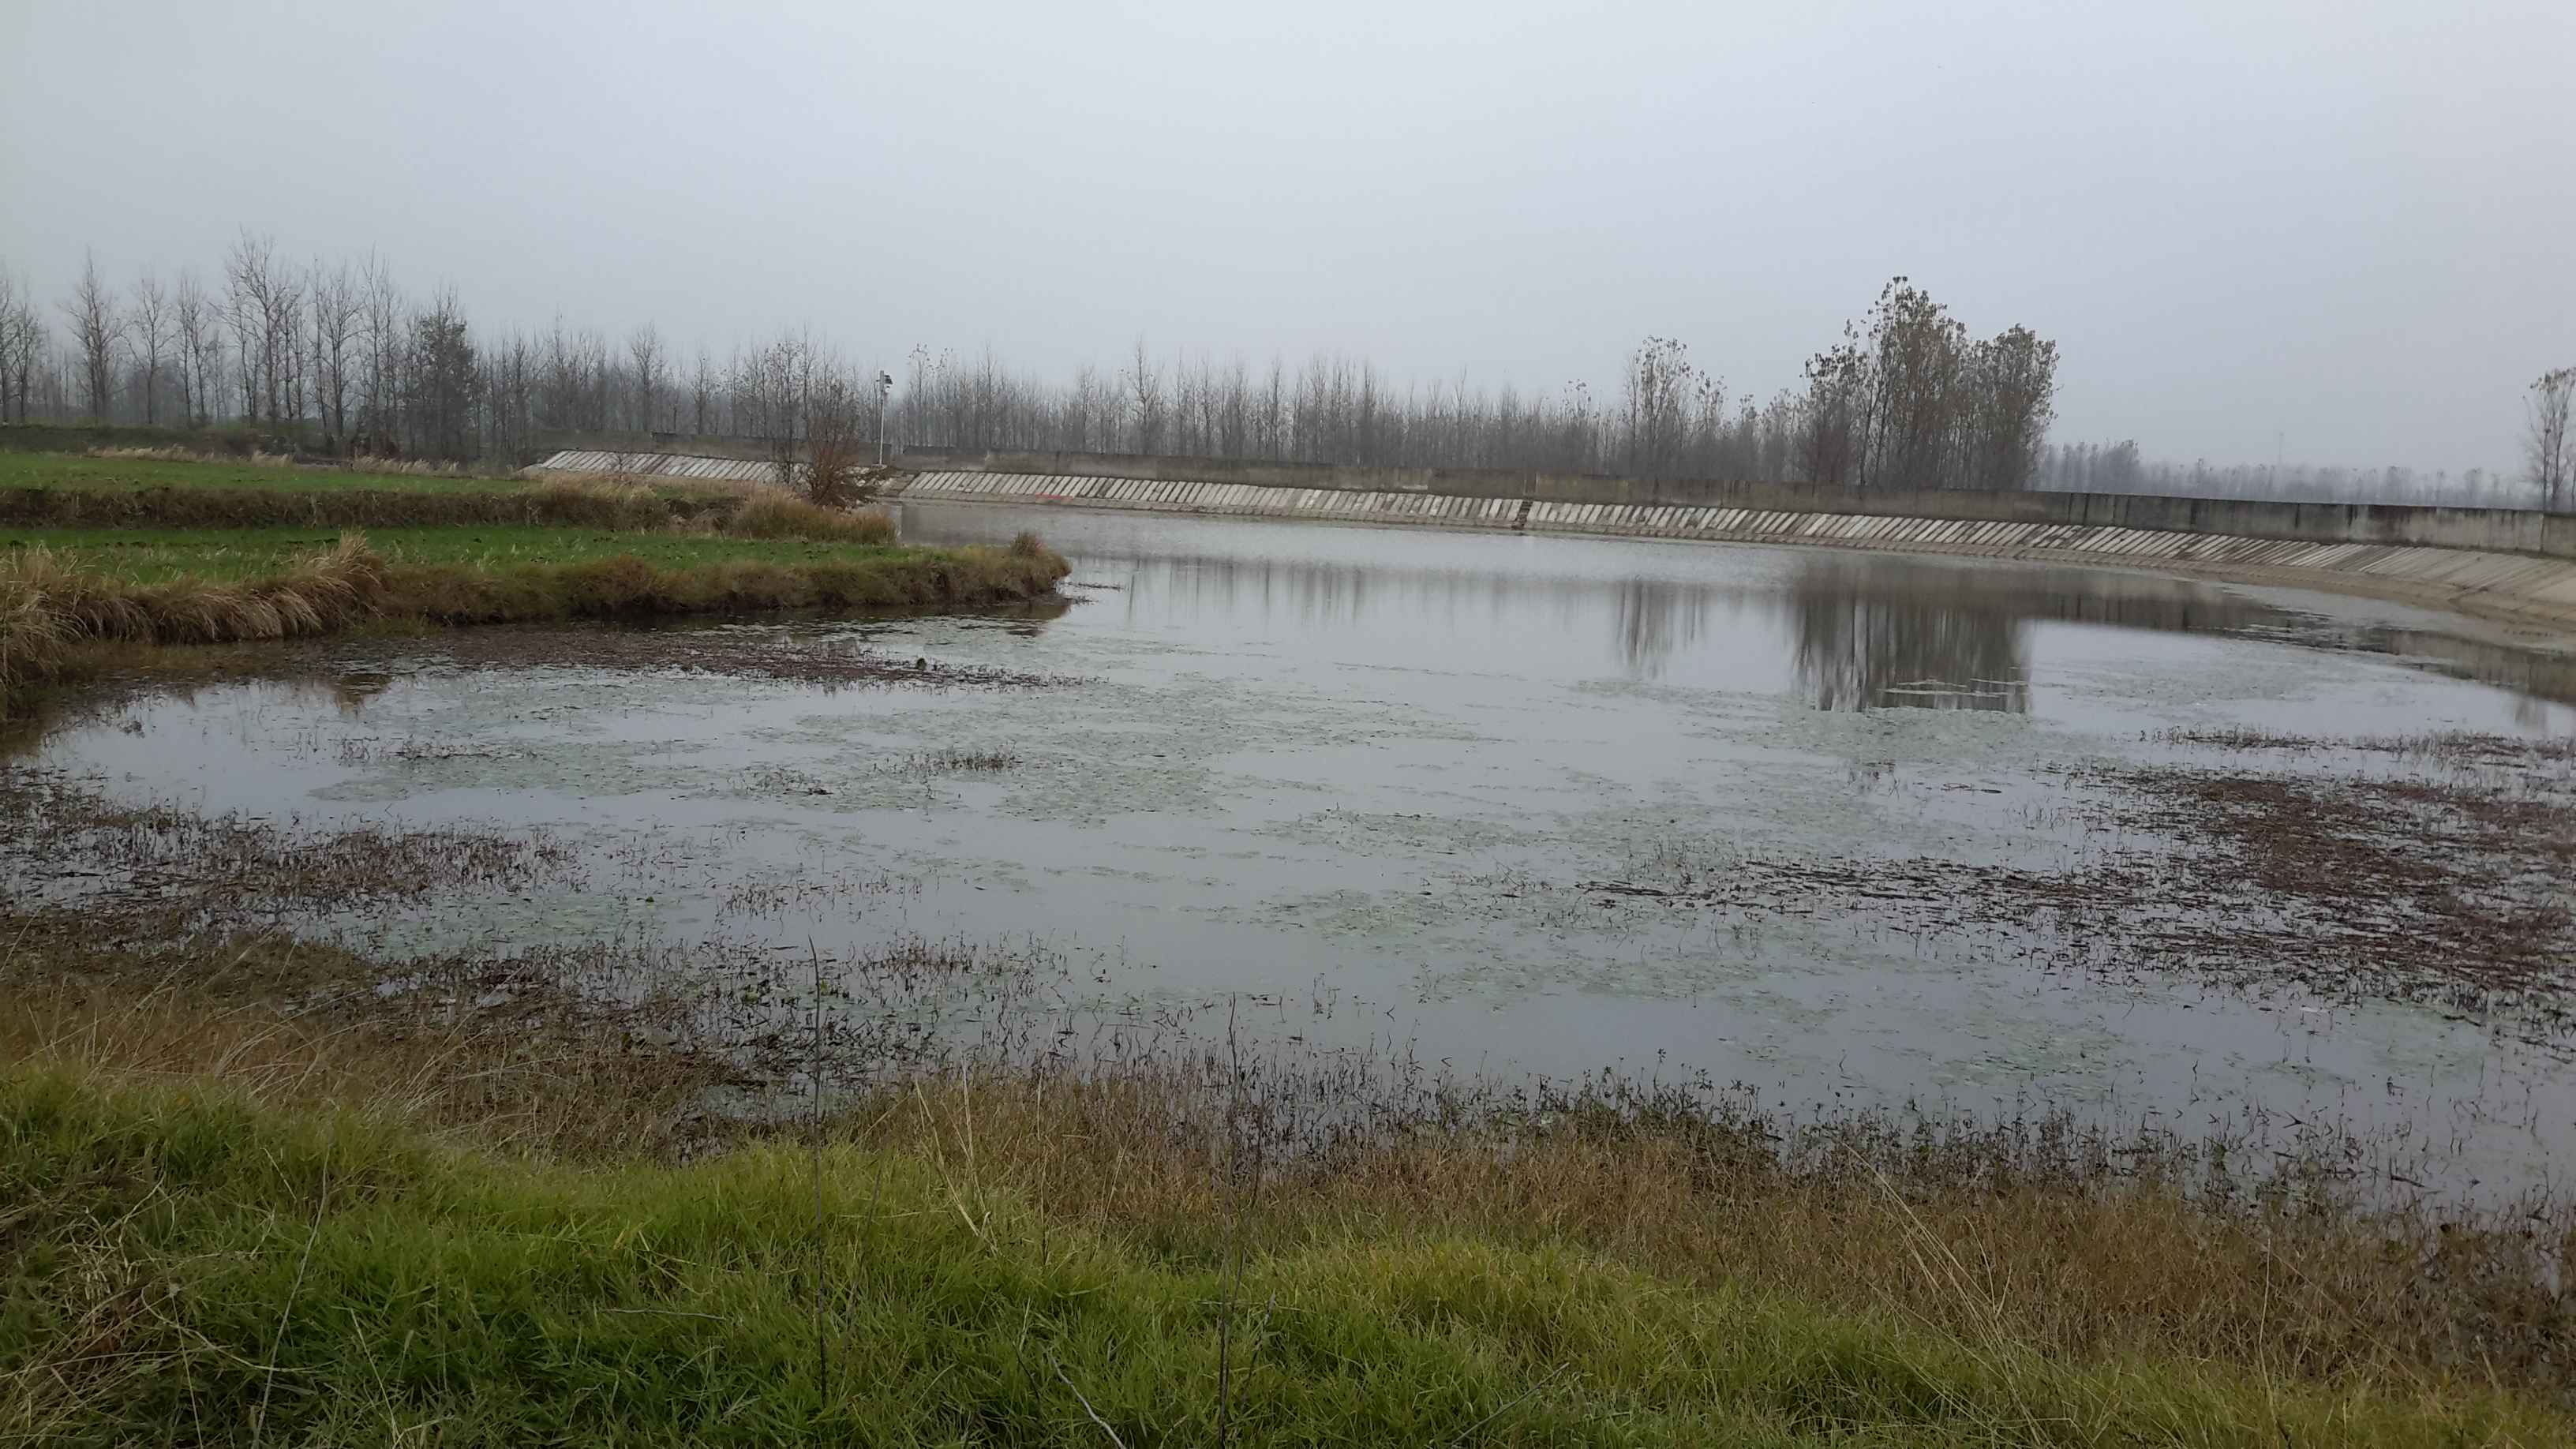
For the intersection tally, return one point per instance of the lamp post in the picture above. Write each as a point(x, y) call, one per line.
point(885, 385)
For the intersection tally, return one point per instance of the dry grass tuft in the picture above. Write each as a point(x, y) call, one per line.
point(329, 591)
point(628, 507)
point(772, 512)
point(34, 639)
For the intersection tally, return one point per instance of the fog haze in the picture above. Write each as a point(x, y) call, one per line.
point(2342, 231)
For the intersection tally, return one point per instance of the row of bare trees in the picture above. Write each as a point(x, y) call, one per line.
point(338, 357)
point(2119, 468)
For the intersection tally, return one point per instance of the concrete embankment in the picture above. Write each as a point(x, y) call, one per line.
point(2505, 564)
point(2516, 587)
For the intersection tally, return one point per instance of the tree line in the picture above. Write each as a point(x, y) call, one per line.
point(336, 356)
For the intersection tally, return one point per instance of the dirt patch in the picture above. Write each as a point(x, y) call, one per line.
point(72, 847)
point(741, 653)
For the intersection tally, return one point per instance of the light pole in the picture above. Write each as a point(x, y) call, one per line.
point(885, 385)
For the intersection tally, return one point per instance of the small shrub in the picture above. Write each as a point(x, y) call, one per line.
point(776, 513)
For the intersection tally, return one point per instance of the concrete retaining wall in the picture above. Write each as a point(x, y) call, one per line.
point(2494, 530)
point(2499, 530)
point(2500, 563)
point(2512, 586)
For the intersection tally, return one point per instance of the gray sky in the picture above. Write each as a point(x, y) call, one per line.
point(2353, 223)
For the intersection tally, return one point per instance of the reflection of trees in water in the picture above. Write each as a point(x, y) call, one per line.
point(1871, 646)
point(1651, 619)
point(1860, 627)
point(1657, 617)
point(2535, 679)
point(1863, 627)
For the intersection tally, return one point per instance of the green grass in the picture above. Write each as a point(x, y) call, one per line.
point(149, 556)
point(65, 470)
point(183, 1264)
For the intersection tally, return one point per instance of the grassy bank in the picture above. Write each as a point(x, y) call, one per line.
point(128, 470)
point(150, 556)
point(194, 1261)
point(247, 1193)
point(109, 552)
point(195, 1265)
point(140, 588)
point(61, 501)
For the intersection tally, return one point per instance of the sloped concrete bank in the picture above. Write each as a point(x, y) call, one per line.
point(2517, 567)
point(2515, 587)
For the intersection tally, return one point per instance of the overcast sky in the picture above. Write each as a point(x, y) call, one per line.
point(2351, 225)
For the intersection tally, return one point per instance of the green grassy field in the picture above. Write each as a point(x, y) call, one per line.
point(151, 556)
point(71, 470)
point(189, 1266)
point(98, 554)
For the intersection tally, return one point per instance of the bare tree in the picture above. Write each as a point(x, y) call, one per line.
point(260, 308)
point(702, 395)
point(835, 424)
point(2549, 448)
point(339, 307)
point(509, 399)
point(652, 365)
point(1832, 417)
point(1666, 404)
point(1145, 385)
point(199, 355)
point(151, 325)
point(22, 333)
point(382, 336)
point(97, 327)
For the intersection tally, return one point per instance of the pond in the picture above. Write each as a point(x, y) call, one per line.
point(1842, 830)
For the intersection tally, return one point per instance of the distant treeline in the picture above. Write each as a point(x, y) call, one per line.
point(2117, 468)
point(337, 357)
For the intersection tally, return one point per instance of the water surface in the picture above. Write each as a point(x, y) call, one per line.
point(1370, 781)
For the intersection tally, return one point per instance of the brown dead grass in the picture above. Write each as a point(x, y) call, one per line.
point(1989, 1234)
point(557, 1082)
